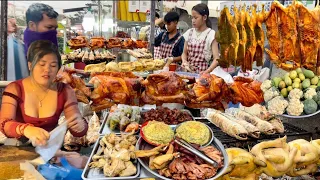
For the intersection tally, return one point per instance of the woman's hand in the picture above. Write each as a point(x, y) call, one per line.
point(38, 136)
point(205, 72)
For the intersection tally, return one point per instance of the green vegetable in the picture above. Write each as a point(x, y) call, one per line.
point(293, 74)
point(315, 80)
point(301, 76)
point(297, 80)
point(308, 73)
point(314, 86)
point(296, 85)
point(284, 92)
point(306, 83)
point(318, 88)
point(288, 81)
point(276, 81)
point(318, 83)
point(299, 70)
point(310, 106)
point(316, 98)
point(289, 88)
point(282, 85)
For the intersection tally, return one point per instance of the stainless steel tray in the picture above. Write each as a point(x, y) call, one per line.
point(184, 110)
point(141, 144)
point(94, 174)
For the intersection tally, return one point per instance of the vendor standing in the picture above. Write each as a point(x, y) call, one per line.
point(200, 45)
point(171, 42)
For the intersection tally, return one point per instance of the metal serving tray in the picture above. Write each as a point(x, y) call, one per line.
point(141, 144)
point(94, 174)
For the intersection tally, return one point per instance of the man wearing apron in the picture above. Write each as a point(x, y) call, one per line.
point(200, 45)
point(170, 43)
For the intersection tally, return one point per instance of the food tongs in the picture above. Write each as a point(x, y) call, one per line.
point(198, 153)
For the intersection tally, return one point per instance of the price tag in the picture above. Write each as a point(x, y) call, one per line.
point(145, 6)
point(134, 6)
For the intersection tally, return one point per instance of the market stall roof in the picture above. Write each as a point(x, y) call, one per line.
point(214, 6)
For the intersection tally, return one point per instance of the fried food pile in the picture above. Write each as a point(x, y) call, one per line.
point(115, 154)
point(78, 42)
point(173, 161)
point(167, 115)
point(241, 37)
point(274, 158)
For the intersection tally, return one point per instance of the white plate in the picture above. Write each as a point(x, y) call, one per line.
point(301, 116)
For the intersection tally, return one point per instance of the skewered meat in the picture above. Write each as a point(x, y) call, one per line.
point(230, 127)
point(277, 124)
point(78, 42)
point(208, 88)
point(253, 131)
point(246, 91)
point(165, 87)
point(282, 34)
point(277, 154)
point(259, 111)
point(228, 38)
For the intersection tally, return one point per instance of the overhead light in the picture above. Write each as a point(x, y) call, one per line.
point(88, 21)
point(64, 22)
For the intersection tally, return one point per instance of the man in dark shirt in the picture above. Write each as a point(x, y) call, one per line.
point(170, 42)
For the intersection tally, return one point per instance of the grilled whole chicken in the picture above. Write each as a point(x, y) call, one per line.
point(114, 87)
point(277, 154)
point(208, 91)
point(228, 38)
point(246, 91)
point(165, 87)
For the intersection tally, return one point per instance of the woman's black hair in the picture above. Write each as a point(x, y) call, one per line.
point(40, 48)
point(203, 10)
point(171, 17)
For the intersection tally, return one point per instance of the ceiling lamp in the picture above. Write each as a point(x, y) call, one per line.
point(88, 21)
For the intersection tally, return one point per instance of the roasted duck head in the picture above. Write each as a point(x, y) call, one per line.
point(115, 87)
point(68, 76)
point(246, 91)
point(208, 91)
point(228, 38)
point(165, 87)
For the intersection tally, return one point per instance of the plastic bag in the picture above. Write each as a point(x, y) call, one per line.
point(218, 71)
point(65, 172)
point(256, 74)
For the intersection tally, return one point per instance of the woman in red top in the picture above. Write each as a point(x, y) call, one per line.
point(31, 107)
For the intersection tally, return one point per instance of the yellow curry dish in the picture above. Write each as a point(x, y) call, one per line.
point(194, 132)
point(158, 132)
